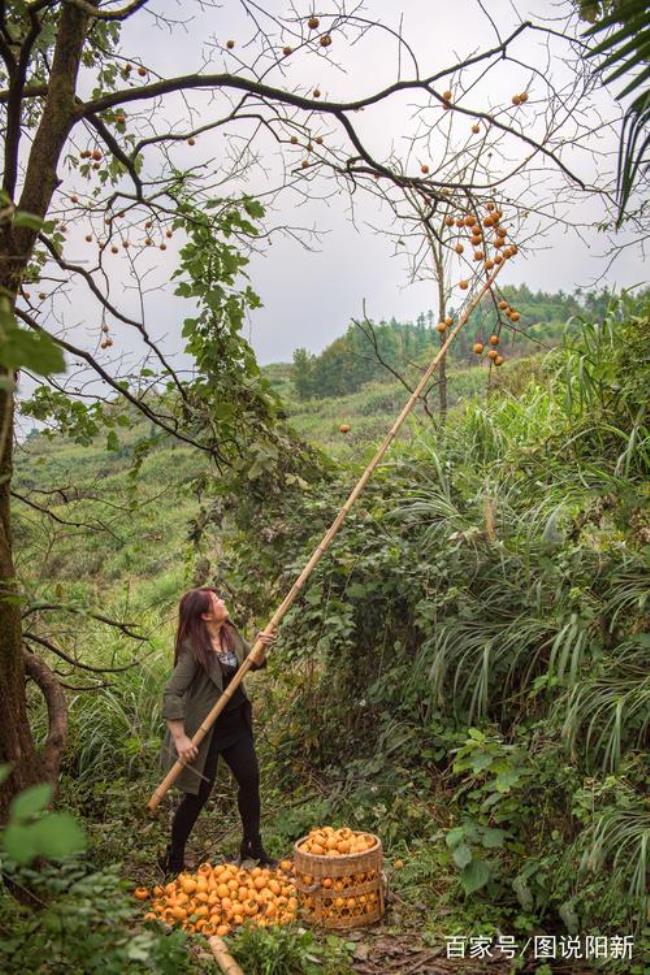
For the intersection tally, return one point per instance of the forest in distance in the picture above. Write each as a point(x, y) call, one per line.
point(354, 358)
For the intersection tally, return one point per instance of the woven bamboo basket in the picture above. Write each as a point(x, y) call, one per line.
point(323, 899)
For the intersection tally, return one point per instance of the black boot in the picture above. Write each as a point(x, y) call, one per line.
point(244, 853)
point(170, 865)
point(252, 849)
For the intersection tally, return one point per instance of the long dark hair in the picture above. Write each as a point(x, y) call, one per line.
point(193, 630)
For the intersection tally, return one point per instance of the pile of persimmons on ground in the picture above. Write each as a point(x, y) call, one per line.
point(217, 899)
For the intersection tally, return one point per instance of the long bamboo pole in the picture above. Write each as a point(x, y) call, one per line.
point(224, 959)
point(324, 543)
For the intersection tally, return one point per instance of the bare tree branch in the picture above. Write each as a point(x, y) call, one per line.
point(211, 449)
point(13, 131)
point(72, 660)
point(115, 312)
point(62, 521)
point(101, 13)
point(368, 330)
point(280, 96)
point(29, 91)
point(126, 628)
point(111, 142)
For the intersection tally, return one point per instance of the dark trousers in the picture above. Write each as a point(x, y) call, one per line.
point(238, 751)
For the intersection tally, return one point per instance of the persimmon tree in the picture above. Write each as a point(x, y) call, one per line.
point(97, 185)
point(457, 235)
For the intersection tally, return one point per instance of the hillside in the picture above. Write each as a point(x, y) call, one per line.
point(152, 500)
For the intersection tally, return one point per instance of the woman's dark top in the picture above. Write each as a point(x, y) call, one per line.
point(229, 667)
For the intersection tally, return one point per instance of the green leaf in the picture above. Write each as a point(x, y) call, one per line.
point(5, 772)
point(22, 218)
point(32, 350)
point(254, 208)
point(357, 590)
point(476, 734)
point(505, 780)
point(491, 801)
point(462, 856)
point(112, 441)
point(493, 838)
point(19, 844)
point(481, 761)
point(455, 836)
point(58, 835)
point(475, 875)
point(31, 801)
point(522, 890)
point(569, 916)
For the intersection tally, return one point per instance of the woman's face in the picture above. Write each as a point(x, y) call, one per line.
point(217, 612)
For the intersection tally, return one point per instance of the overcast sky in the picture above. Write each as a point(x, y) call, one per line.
point(310, 296)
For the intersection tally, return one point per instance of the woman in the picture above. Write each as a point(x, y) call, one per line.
point(209, 651)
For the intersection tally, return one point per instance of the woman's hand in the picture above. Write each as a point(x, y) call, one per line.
point(267, 637)
point(185, 750)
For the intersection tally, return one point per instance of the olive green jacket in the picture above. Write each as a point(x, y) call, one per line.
point(188, 696)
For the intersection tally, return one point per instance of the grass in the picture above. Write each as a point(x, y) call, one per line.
point(372, 410)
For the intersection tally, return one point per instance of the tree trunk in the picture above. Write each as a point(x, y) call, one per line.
point(16, 744)
point(16, 246)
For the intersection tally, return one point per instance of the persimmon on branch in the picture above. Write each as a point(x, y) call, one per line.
point(275, 97)
point(108, 305)
point(339, 110)
point(434, 234)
